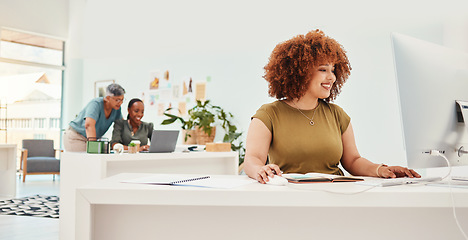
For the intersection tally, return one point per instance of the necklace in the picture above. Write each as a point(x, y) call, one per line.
point(311, 120)
point(131, 128)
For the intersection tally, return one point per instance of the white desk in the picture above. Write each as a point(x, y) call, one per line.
point(78, 169)
point(109, 209)
point(7, 170)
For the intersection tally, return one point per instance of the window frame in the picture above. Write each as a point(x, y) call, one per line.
point(61, 67)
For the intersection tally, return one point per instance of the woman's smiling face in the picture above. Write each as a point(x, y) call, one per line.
point(321, 82)
point(136, 112)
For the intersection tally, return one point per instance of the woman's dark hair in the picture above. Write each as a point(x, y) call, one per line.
point(292, 60)
point(130, 104)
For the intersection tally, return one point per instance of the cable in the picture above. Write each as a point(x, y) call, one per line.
point(432, 152)
point(437, 153)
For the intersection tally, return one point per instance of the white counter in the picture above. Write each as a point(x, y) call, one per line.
point(78, 169)
point(7, 170)
point(113, 210)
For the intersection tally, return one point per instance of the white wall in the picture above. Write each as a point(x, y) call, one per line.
point(231, 42)
point(49, 17)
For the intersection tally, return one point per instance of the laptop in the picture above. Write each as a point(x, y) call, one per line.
point(163, 141)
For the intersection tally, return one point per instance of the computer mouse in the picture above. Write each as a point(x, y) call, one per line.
point(277, 180)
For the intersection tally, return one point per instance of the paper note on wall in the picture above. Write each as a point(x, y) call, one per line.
point(166, 75)
point(176, 91)
point(183, 108)
point(161, 109)
point(200, 91)
point(165, 94)
point(155, 80)
point(185, 90)
point(152, 99)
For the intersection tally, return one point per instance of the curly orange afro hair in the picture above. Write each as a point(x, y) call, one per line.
point(291, 61)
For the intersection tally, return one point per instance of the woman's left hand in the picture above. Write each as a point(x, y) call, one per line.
point(396, 172)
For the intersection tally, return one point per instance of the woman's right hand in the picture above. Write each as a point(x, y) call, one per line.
point(144, 148)
point(266, 171)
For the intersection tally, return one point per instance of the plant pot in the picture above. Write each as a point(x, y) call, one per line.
point(132, 149)
point(203, 138)
point(191, 137)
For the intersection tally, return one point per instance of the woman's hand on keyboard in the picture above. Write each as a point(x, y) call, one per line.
point(397, 171)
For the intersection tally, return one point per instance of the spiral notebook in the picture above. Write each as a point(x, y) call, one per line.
point(168, 179)
point(191, 180)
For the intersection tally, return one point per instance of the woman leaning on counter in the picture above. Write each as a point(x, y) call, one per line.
point(95, 119)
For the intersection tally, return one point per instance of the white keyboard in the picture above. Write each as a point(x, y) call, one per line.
point(460, 178)
point(386, 182)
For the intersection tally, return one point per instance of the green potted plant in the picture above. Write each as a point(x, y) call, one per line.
point(202, 120)
point(203, 115)
point(132, 147)
point(231, 134)
point(186, 125)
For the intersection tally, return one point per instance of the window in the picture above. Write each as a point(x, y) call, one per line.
point(39, 123)
point(39, 136)
point(54, 123)
point(19, 123)
point(31, 48)
point(25, 123)
point(31, 66)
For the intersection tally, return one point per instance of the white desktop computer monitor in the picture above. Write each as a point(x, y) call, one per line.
point(430, 79)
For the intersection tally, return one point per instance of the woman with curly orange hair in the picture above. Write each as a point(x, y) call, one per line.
point(302, 131)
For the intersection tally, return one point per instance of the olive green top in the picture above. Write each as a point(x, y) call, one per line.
point(298, 147)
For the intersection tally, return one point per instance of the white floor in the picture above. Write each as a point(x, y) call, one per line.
point(37, 228)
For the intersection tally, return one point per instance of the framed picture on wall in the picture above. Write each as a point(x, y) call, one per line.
point(100, 87)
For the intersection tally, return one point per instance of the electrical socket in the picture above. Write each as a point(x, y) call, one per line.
point(460, 148)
